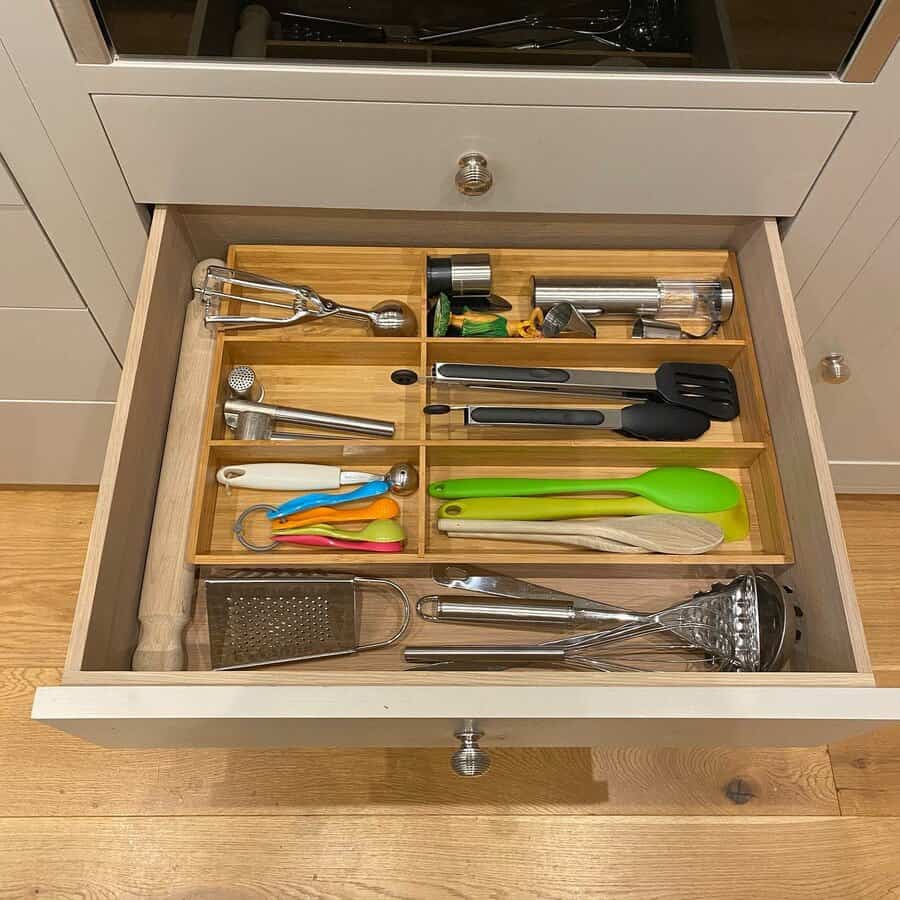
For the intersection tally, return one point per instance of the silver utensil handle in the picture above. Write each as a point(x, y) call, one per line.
point(479, 582)
point(549, 380)
point(352, 312)
point(439, 608)
point(376, 427)
point(487, 653)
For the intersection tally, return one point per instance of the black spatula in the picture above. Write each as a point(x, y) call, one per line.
point(703, 387)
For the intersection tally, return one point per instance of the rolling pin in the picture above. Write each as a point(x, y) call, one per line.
point(167, 592)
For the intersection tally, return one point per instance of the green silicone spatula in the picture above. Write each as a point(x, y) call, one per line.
point(678, 488)
point(734, 522)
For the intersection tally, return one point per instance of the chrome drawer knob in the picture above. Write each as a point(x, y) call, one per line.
point(474, 177)
point(470, 760)
point(835, 369)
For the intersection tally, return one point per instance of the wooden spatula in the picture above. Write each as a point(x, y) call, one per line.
point(573, 540)
point(656, 533)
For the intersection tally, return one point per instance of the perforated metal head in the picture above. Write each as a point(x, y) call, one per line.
point(268, 621)
point(242, 383)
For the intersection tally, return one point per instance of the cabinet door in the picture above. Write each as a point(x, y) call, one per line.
point(859, 417)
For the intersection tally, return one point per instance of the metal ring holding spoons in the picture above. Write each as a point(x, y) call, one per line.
point(238, 528)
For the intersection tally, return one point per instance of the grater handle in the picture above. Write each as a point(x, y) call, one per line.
point(404, 603)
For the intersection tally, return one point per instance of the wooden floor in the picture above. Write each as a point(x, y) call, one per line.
point(77, 820)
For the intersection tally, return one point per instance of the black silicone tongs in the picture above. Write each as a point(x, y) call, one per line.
point(704, 387)
point(645, 421)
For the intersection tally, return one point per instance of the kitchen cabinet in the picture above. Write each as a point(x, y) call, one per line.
point(59, 370)
point(365, 150)
point(861, 428)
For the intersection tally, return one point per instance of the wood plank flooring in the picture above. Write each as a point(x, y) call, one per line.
point(77, 820)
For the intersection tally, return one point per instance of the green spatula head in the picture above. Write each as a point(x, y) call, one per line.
point(678, 488)
point(734, 522)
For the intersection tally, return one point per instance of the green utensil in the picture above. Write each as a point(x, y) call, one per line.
point(382, 531)
point(734, 522)
point(678, 488)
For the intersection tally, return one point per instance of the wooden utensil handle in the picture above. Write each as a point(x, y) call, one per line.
point(168, 588)
point(604, 545)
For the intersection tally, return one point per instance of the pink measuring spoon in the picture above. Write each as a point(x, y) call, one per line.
point(317, 540)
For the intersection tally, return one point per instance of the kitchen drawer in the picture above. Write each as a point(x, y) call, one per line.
point(27, 251)
point(55, 354)
point(368, 699)
point(313, 153)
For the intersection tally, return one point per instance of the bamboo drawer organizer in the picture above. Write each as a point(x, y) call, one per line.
point(335, 365)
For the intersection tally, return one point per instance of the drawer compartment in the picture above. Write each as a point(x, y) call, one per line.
point(369, 698)
point(348, 371)
point(316, 153)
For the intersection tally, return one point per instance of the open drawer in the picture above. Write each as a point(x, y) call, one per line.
point(370, 699)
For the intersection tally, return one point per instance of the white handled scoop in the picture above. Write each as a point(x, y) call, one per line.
point(402, 477)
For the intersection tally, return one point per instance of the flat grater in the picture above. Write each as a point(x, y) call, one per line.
point(258, 620)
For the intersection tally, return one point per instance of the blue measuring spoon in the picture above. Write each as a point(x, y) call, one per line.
point(311, 501)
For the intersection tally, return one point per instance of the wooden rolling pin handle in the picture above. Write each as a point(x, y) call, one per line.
point(160, 646)
point(167, 593)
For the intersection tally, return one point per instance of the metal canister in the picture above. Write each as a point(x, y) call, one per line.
point(666, 298)
point(460, 276)
point(597, 296)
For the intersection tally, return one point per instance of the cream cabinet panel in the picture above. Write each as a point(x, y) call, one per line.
point(54, 354)
point(30, 270)
point(9, 193)
point(404, 155)
point(859, 416)
point(48, 442)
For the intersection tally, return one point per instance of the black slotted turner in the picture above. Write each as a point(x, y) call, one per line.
point(703, 387)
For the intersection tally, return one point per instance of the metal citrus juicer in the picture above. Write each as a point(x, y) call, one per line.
point(571, 305)
point(298, 303)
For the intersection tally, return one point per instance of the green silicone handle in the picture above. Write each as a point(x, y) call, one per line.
point(526, 509)
point(457, 488)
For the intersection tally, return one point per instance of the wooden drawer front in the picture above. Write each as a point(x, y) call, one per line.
point(404, 155)
point(26, 251)
point(374, 703)
point(54, 354)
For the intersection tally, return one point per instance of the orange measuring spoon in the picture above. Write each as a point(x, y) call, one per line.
point(382, 508)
